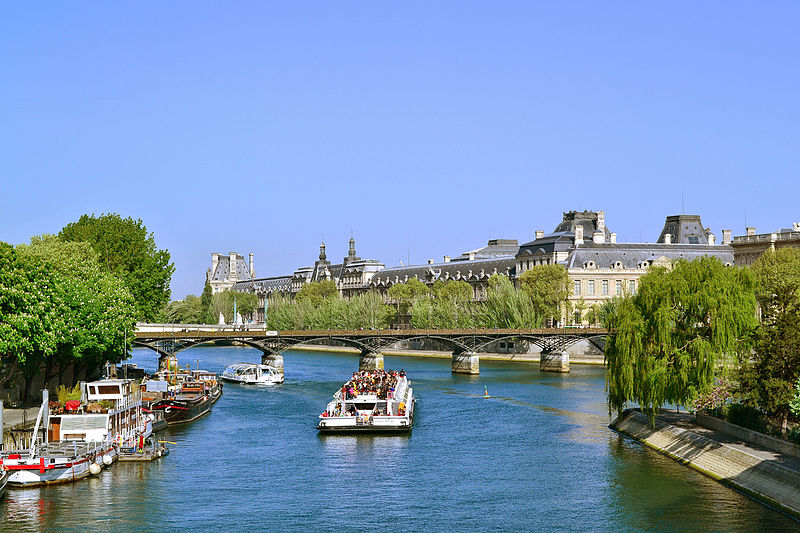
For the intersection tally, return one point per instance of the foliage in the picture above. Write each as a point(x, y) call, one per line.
point(126, 249)
point(405, 294)
point(362, 311)
point(206, 301)
point(768, 375)
point(315, 293)
point(794, 405)
point(720, 394)
point(506, 307)
point(223, 302)
point(670, 336)
point(549, 287)
point(187, 311)
point(66, 394)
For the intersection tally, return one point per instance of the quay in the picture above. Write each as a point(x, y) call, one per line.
point(737, 457)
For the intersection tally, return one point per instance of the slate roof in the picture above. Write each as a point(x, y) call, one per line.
point(278, 283)
point(476, 270)
point(494, 249)
point(222, 271)
point(555, 242)
point(631, 255)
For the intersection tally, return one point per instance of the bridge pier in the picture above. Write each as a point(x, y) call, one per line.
point(274, 360)
point(465, 363)
point(370, 361)
point(554, 361)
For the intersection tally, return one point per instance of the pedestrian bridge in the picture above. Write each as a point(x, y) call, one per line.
point(465, 344)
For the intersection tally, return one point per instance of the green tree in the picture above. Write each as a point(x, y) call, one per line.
point(186, 311)
point(672, 334)
point(126, 249)
point(96, 309)
point(206, 301)
point(506, 307)
point(549, 287)
point(315, 293)
point(768, 374)
point(405, 294)
point(223, 302)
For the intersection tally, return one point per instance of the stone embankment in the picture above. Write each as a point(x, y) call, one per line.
point(767, 475)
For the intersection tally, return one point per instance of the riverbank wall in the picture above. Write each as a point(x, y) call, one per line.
point(515, 357)
point(765, 480)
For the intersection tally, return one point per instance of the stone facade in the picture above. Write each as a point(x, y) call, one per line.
point(748, 248)
point(228, 270)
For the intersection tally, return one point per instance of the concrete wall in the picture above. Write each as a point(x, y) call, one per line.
point(764, 480)
point(747, 435)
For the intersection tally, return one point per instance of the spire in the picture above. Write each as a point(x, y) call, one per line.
point(351, 254)
point(322, 251)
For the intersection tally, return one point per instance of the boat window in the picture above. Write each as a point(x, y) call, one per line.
point(108, 389)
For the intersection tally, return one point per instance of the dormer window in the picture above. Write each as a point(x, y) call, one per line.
point(589, 264)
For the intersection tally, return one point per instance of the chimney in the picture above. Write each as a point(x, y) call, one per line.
point(613, 238)
point(232, 274)
point(447, 259)
point(726, 236)
point(539, 234)
point(667, 238)
point(598, 237)
point(252, 268)
point(472, 256)
point(795, 226)
point(578, 234)
point(712, 239)
point(214, 263)
point(601, 221)
point(751, 231)
point(430, 261)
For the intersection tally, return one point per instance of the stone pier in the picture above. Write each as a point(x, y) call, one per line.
point(466, 363)
point(370, 361)
point(274, 360)
point(554, 362)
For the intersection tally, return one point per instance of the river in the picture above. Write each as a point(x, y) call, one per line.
point(537, 456)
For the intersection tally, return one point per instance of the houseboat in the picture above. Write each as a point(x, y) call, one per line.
point(190, 402)
point(252, 374)
point(80, 437)
point(379, 402)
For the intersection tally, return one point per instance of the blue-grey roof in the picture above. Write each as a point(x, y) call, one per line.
point(631, 255)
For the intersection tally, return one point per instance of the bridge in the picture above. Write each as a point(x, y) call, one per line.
point(465, 344)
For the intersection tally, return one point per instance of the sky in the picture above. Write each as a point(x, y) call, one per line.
point(421, 128)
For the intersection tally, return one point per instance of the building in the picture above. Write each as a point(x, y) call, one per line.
point(474, 267)
point(228, 270)
point(748, 248)
point(600, 268)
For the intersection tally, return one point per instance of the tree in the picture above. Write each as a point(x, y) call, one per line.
point(548, 286)
point(405, 294)
point(315, 292)
point(186, 311)
point(223, 303)
point(206, 300)
point(672, 334)
point(506, 307)
point(768, 374)
point(126, 249)
point(96, 309)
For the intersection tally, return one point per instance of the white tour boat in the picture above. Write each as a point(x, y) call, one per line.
point(252, 374)
point(378, 401)
point(82, 436)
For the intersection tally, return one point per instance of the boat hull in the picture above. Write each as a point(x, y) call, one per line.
point(37, 472)
point(182, 411)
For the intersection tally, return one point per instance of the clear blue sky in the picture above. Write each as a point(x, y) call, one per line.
point(425, 128)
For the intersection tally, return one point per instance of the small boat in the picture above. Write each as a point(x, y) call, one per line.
point(378, 402)
point(252, 374)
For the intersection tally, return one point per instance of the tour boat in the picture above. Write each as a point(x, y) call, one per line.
point(378, 402)
point(252, 374)
point(80, 437)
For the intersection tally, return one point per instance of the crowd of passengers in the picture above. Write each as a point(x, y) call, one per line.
point(378, 382)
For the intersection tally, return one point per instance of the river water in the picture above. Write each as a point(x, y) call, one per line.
point(536, 456)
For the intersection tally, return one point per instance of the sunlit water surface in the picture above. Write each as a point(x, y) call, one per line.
point(536, 456)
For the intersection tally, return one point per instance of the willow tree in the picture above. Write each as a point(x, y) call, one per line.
point(672, 335)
